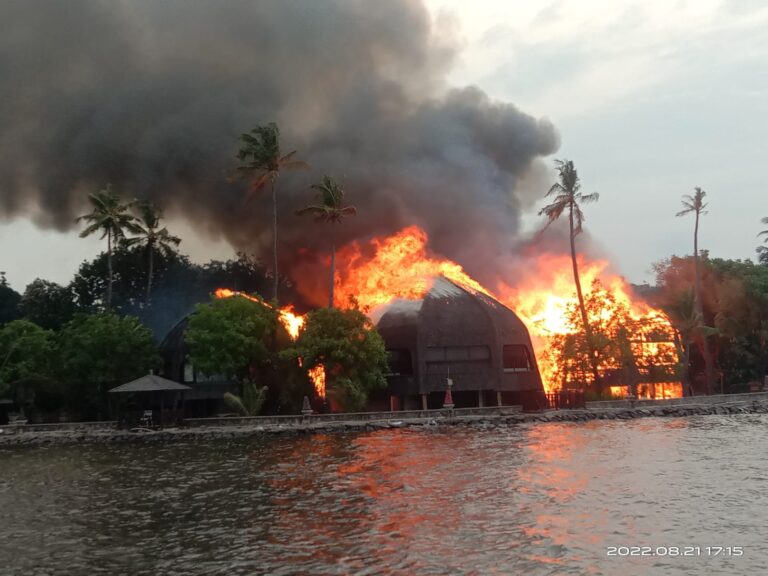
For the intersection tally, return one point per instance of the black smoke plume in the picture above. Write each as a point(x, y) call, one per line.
point(151, 96)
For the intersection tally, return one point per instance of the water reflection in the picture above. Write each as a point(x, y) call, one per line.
point(539, 499)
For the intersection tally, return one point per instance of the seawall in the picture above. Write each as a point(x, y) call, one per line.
point(231, 428)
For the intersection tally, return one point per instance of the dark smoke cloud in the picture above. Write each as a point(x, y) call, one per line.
point(152, 95)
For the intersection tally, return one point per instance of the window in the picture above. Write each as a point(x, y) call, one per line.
point(516, 358)
point(399, 362)
point(457, 353)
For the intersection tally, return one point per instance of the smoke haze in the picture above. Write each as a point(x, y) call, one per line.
point(151, 96)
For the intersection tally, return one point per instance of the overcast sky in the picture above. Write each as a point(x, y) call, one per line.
point(650, 98)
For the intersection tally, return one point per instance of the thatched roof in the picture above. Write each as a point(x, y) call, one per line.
point(150, 383)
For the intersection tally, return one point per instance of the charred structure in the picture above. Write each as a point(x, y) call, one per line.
point(462, 334)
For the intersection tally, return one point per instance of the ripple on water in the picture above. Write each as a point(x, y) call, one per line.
point(532, 499)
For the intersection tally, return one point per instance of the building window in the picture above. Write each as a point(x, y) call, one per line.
point(457, 353)
point(399, 362)
point(516, 358)
point(189, 372)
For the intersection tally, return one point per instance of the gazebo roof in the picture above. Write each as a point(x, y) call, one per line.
point(149, 383)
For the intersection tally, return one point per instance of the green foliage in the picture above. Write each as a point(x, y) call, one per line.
point(250, 403)
point(152, 238)
point(110, 215)
point(567, 197)
point(9, 301)
point(330, 202)
point(47, 304)
point(735, 313)
point(232, 337)
point(262, 161)
point(100, 351)
point(25, 352)
point(351, 350)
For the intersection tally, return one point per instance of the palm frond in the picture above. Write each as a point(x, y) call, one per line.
point(330, 206)
point(553, 211)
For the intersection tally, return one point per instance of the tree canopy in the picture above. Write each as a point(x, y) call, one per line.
point(350, 349)
point(47, 304)
point(232, 337)
point(97, 352)
point(25, 352)
point(9, 301)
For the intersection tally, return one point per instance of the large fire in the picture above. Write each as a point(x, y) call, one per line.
point(543, 297)
point(400, 266)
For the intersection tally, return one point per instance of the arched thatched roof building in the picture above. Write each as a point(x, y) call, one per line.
point(458, 333)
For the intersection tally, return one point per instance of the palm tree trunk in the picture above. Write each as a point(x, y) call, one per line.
point(109, 266)
point(274, 237)
point(150, 271)
point(582, 308)
point(333, 266)
point(699, 310)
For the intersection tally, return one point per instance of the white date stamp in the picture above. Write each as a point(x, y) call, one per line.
point(673, 551)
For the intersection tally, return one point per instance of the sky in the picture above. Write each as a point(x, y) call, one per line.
point(650, 99)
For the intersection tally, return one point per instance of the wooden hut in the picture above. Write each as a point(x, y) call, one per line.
point(150, 401)
point(462, 334)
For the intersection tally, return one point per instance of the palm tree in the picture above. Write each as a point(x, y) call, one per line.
point(567, 197)
point(695, 204)
point(329, 209)
point(762, 251)
point(110, 216)
point(262, 161)
point(153, 238)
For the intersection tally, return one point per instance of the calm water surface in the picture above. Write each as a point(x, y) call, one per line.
point(531, 499)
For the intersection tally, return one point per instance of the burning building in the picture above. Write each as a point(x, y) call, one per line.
point(457, 332)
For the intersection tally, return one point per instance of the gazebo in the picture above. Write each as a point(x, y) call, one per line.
point(151, 401)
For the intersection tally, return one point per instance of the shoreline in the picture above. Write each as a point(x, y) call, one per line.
point(101, 433)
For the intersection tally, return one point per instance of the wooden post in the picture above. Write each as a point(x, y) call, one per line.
point(423, 401)
point(480, 399)
point(498, 398)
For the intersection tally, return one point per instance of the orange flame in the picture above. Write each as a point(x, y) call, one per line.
point(317, 375)
point(542, 297)
point(400, 268)
point(293, 322)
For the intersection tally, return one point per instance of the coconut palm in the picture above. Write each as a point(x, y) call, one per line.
point(110, 216)
point(762, 251)
point(330, 208)
point(152, 238)
point(695, 205)
point(262, 161)
point(568, 198)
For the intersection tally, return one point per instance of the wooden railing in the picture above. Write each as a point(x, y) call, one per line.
point(567, 400)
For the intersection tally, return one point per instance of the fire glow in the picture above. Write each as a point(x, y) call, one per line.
point(542, 298)
point(401, 267)
point(293, 324)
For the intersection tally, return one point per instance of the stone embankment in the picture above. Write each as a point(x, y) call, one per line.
point(234, 428)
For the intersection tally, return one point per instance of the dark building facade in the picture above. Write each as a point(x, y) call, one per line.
point(206, 394)
point(455, 332)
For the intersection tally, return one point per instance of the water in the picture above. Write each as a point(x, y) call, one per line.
point(529, 499)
